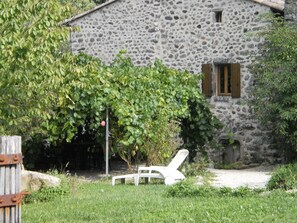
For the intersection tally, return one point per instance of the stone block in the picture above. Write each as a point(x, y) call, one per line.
point(33, 181)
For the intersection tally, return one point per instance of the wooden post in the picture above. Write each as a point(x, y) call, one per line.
point(10, 179)
point(107, 143)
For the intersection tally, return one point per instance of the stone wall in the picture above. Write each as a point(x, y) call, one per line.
point(291, 10)
point(185, 35)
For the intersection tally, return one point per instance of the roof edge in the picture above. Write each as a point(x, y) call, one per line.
point(274, 5)
point(279, 6)
point(73, 18)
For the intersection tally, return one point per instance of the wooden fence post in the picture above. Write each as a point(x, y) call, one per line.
point(10, 179)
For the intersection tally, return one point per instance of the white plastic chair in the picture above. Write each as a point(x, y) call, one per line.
point(169, 173)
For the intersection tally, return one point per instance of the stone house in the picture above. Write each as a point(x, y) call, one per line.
point(201, 36)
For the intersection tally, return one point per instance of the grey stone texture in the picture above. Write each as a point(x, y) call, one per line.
point(291, 10)
point(34, 181)
point(184, 35)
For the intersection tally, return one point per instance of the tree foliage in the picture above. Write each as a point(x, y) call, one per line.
point(49, 91)
point(141, 95)
point(147, 101)
point(30, 41)
point(198, 127)
point(98, 2)
point(78, 6)
point(275, 92)
point(37, 78)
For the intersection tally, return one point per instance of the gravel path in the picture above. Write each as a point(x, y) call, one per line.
point(252, 178)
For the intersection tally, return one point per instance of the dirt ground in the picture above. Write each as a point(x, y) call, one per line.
point(256, 177)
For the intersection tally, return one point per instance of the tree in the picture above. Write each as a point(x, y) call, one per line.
point(47, 91)
point(37, 78)
point(98, 2)
point(148, 101)
point(198, 128)
point(275, 93)
point(78, 6)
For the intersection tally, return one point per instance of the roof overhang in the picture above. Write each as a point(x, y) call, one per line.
point(275, 4)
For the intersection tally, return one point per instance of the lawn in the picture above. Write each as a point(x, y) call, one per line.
point(100, 202)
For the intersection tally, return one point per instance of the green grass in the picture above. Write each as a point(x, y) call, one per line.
point(100, 202)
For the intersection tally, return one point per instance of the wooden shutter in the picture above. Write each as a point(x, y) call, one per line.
point(235, 77)
point(206, 82)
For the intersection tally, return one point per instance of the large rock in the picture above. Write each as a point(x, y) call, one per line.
point(33, 181)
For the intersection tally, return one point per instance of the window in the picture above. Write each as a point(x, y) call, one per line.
point(218, 16)
point(223, 80)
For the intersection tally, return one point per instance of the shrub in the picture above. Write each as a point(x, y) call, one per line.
point(195, 168)
point(46, 194)
point(229, 166)
point(160, 148)
point(242, 192)
point(284, 177)
point(69, 185)
point(199, 169)
point(187, 189)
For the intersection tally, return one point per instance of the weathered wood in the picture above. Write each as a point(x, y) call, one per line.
point(235, 74)
point(2, 184)
point(207, 80)
point(10, 178)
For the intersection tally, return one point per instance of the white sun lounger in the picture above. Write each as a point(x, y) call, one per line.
point(123, 178)
point(169, 173)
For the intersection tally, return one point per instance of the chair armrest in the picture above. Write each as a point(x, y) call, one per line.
point(144, 168)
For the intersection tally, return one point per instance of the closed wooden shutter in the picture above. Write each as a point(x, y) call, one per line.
point(235, 76)
point(206, 82)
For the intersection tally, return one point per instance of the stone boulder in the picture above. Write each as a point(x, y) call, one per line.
point(33, 181)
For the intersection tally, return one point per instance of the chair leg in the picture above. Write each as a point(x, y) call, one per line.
point(136, 180)
point(149, 179)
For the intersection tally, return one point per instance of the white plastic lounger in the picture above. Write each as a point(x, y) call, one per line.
point(169, 173)
point(124, 177)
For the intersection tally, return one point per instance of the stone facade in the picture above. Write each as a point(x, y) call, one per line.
point(185, 34)
point(291, 10)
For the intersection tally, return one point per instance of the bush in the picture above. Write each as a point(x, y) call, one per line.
point(229, 166)
point(187, 189)
point(195, 168)
point(160, 148)
point(69, 185)
point(284, 177)
point(46, 194)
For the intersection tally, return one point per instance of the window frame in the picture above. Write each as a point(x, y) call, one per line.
point(210, 81)
point(218, 16)
point(227, 79)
